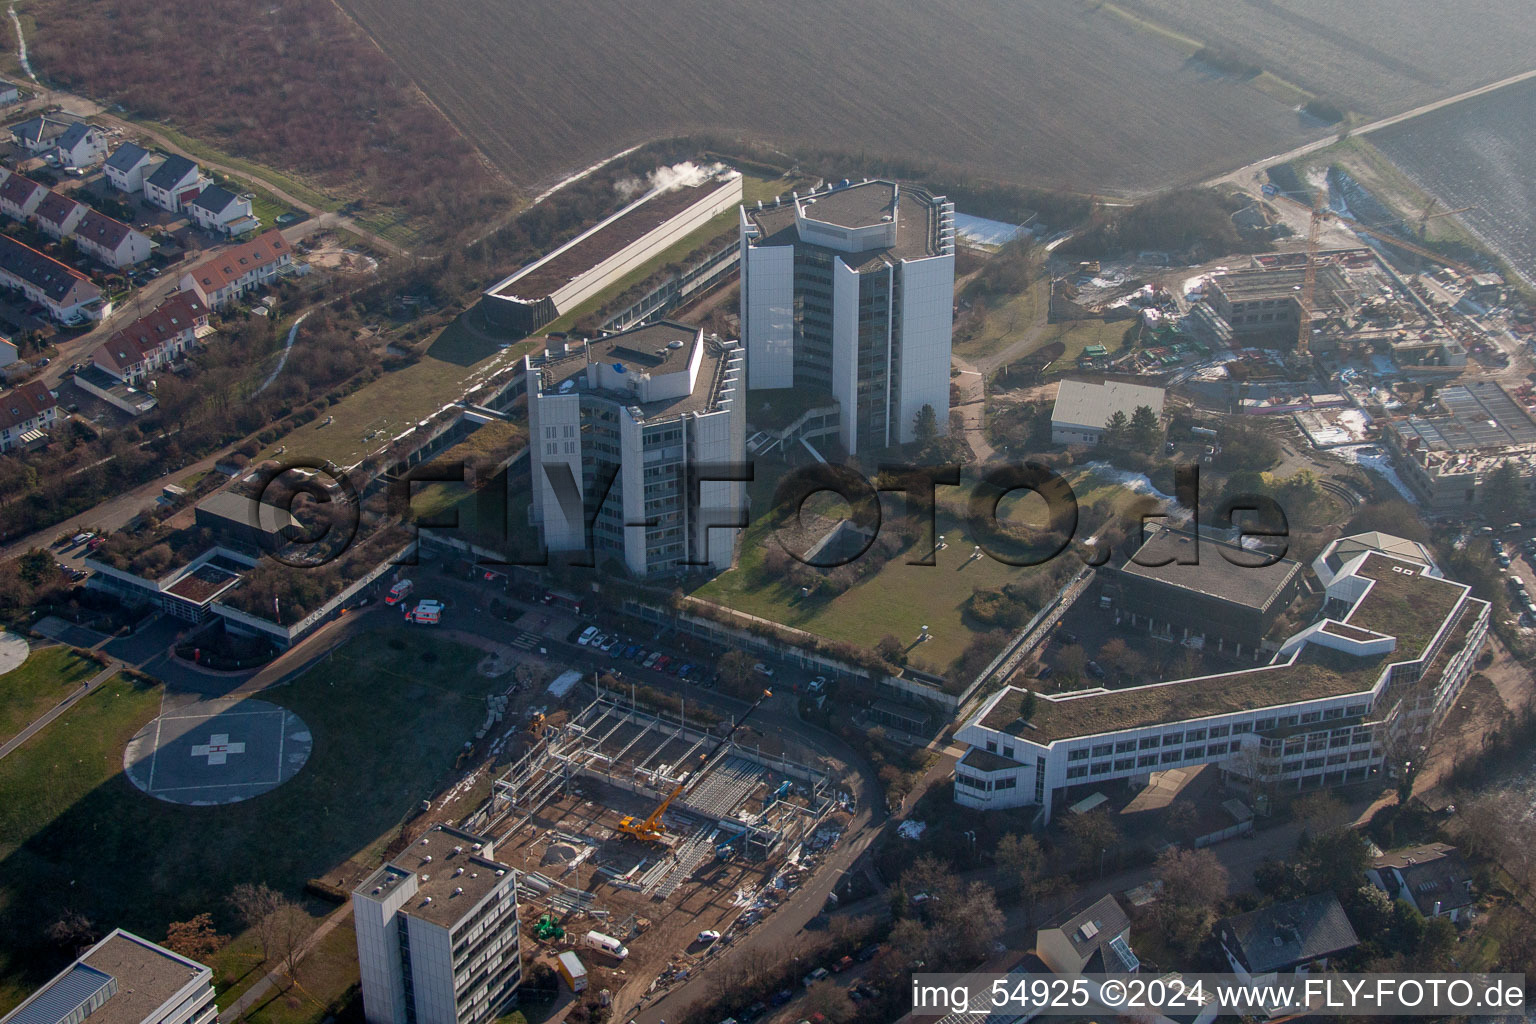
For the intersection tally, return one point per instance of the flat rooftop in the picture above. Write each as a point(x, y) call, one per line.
point(554, 371)
point(661, 347)
point(917, 221)
point(1479, 415)
point(1248, 585)
point(146, 974)
point(1281, 282)
point(540, 279)
point(1411, 607)
point(451, 876)
point(856, 206)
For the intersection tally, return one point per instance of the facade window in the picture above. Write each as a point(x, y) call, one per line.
point(1099, 768)
point(1008, 783)
point(1125, 764)
point(1173, 739)
point(992, 746)
point(1170, 756)
point(1242, 727)
point(1315, 762)
point(1148, 742)
point(1146, 760)
point(1218, 731)
point(1195, 734)
point(1194, 751)
point(1007, 751)
point(1216, 748)
point(1078, 772)
point(1103, 749)
point(1125, 746)
point(1264, 724)
point(1080, 754)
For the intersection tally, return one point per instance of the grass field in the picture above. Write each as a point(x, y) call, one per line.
point(1049, 94)
point(47, 677)
point(898, 600)
point(1008, 322)
point(74, 833)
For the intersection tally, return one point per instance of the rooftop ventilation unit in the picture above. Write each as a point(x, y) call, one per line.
point(674, 344)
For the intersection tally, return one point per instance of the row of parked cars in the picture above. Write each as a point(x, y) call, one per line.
point(618, 647)
point(857, 992)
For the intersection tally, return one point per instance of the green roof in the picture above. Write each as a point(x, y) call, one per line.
point(1409, 606)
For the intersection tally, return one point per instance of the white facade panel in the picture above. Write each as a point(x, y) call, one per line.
point(927, 321)
point(632, 473)
point(845, 350)
point(768, 301)
point(555, 451)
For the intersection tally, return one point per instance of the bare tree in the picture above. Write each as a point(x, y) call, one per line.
point(73, 931)
point(256, 905)
point(290, 928)
point(1092, 834)
point(1193, 882)
point(829, 1000)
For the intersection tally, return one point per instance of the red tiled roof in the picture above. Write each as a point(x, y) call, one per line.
point(135, 342)
point(19, 190)
point(102, 230)
point(237, 261)
point(56, 209)
point(26, 402)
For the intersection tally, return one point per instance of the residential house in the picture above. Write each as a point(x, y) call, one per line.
point(1433, 877)
point(59, 215)
point(25, 409)
point(111, 241)
point(9, 93)
point(173, 184)
point(155, 340)
point(127, 167)
point(81, 145)
point(222, 211)
point(1297, 937)
point(69, 296)
point(1094, 940)
point(38, 134)
point(19, 197)
point(239, 269)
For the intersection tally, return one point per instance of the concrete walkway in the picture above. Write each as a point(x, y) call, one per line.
point(272, 982)
point(86, 690)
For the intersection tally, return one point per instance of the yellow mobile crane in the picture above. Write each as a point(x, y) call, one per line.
point(651, 829)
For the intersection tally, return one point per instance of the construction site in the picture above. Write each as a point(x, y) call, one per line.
point(648, 831)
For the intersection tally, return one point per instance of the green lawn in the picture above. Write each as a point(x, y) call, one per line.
point(48, 676)
point(1008, 322)
point(898, 600)
point(74, 833)
point(326, 979)
point(1077, 335)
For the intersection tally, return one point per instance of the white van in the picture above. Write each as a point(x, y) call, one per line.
point(606, 944)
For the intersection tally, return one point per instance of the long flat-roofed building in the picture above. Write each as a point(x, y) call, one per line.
point(618, 430)
point(851, 290)
point(437, 934)
point(562, 280)
point(1381, 665)
point(123, 979)
point(1264, 299)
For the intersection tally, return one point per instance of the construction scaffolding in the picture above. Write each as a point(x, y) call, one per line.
point(758, 803)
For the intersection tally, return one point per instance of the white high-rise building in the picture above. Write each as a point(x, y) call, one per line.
point(437, 937)
point(850, 290)
point(123, 979)
point(622, 434)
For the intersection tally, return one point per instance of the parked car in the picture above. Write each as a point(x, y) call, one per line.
point(651, 660)
point(708, 936)
point(819, 974)
point(762, 669)
point(587, 635)
point(842, 965)
point(782, 996)
point(868, 953)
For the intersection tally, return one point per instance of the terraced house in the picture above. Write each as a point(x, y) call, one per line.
point(153, 341)
point(69, 296)
point(239, 269)
point(1344, 698)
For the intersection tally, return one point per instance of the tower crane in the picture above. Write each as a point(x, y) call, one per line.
point(651, 829)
